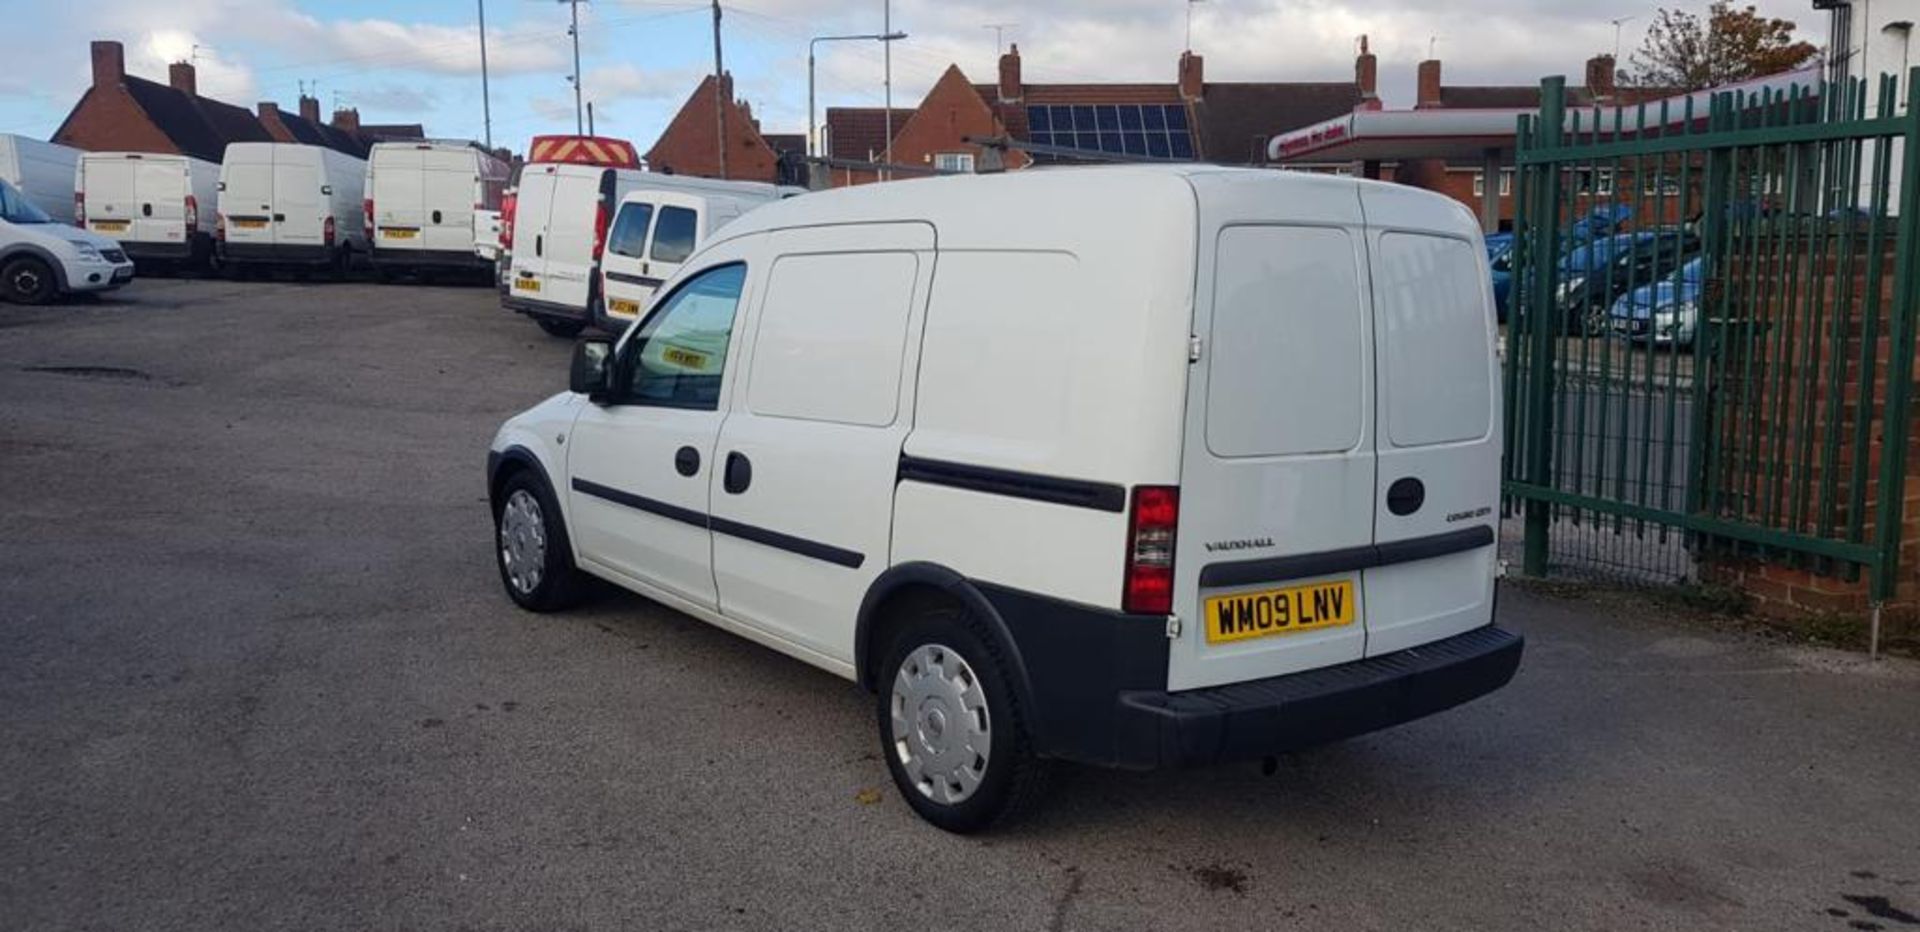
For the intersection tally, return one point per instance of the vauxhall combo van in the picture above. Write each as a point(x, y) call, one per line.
point(1133, 466)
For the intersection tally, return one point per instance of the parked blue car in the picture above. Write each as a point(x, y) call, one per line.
point(1600, 222)
point(1665, 312)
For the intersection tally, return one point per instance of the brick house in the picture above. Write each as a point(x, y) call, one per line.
point(688, 146)
point(120, 112)
point(1188, 118)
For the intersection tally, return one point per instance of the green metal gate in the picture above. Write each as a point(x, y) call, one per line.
point(1655, 424)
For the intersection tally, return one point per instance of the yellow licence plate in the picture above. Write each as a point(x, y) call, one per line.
point(620, 306)
point(250, 224)
point(526, 284)
point(391, 233)
point(110, 226)
point(1246, 615)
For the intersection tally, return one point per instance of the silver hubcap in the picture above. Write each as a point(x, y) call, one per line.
point(26, 281)
point(523, 541)
point(941, 733)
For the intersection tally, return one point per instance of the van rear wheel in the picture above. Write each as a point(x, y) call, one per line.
point(951, 730)
point(28, 280)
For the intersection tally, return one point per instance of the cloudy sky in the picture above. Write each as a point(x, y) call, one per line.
point(418, 60)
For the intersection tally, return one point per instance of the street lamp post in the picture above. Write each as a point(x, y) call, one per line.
point(813, 127)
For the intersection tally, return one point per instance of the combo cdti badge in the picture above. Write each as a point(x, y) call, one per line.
point(1133, 466)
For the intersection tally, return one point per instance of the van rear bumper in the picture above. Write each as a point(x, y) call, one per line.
point(399, 258)
point(1258, 718)
point(277, 254)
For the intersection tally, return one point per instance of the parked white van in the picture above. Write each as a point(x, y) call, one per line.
point(42, 258)
point(1134, 466)
point(289, 204)
point(43, 171)
point(151, 203)
point(659, 225)
point(421, 202)
point(558, 234)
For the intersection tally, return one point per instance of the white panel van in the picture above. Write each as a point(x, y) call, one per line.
point(421, 201)
point(151, 203)
point(289, 204)
point(561, 217)
point(1133, 466)
point(43, 171)
point(659, 225)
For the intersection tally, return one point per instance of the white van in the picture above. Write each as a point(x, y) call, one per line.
point(1134, 466)
point(151, 203)
point(42, 258)
point(656, 228)
point(43, 171)
point(558, 233)
point(289, 204)
point(421, 202)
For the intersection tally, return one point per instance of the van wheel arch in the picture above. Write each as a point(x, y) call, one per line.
point(900, 592)
point(511, 462)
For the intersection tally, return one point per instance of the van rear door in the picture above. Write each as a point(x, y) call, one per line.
point(450, 182)
point(1439, 451)
point(1277, 468)
point(396, 197)
point(532, 203)
point(160, 186)
point(108, 186)
point(579, 193)
point(246, 195)
point(299, 210)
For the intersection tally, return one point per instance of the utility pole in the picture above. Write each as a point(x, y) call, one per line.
point(486, 103)
point(719, 93)
point(590, 118)
point(886, 24)
point(579, 117)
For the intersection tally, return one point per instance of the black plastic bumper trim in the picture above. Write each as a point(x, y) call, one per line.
point(1080, 493)
point(1259, 718)
point(1344, 560)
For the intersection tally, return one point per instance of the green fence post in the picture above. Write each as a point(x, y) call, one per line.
point(1893, 455)
point(1538, 278)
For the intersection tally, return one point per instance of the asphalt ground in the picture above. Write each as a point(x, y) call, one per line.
point(256, 672)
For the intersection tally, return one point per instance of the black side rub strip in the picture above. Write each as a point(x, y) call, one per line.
point(1079, 493)
point(1346, 560)
point(759, 535)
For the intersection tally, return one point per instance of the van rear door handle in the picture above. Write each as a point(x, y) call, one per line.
point(538, 242)
point(739, 474)
point(279, 218)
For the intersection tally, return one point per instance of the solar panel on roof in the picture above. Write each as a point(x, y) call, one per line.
point(1148, 130)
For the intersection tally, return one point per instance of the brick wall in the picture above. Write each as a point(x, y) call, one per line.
point(951, 112)
point(690, 145)
point(107, 120)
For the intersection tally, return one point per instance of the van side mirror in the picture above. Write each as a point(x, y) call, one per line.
point(589, 375)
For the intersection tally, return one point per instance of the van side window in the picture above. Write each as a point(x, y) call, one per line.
point(831, 337)
point(673, 235)
point(629, 236)
point(680, 353)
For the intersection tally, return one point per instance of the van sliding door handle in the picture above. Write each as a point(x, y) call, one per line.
point(739, 474)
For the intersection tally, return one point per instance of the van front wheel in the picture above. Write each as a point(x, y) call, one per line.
point(952, 733)
point(565, 329)
point(27, 280)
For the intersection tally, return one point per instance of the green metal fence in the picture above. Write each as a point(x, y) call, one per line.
point(1654, 424)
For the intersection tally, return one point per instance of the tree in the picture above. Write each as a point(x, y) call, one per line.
point(1683, 52)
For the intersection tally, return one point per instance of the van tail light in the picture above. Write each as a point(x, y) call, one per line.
point(600, 221)
point(80, 210)
point(366, 210)
point(193, 214)
point(507, 205)
point(326, 231)
point(1150, 528)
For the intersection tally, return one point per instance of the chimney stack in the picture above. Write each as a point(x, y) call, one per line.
point(310, 108)
point(109, 63)
point(1192, 76)
point(269, 110)
point(1429, 85)
point(1600, 77)
point(1366, 74)
point(180, 75)
point(348, 120)
point(1010, 75)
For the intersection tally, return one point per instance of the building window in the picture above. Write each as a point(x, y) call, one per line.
point(1480, 184)
point(953, 161)
point(1593, 182)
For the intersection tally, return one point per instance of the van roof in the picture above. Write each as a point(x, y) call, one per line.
point(982, 210)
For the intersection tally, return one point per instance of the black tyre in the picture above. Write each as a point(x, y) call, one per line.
point(28, 280)
point(565, 329)
point(951, 729)
point(532, 549)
